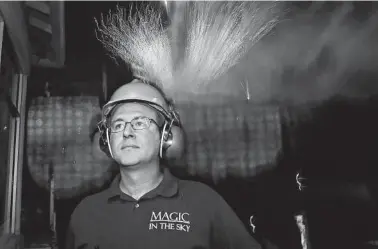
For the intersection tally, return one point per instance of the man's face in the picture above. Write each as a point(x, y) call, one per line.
point(132, 147)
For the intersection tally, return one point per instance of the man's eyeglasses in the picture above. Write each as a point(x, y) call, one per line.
point(138, 123)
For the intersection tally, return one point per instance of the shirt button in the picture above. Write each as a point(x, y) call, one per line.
point(137, 205)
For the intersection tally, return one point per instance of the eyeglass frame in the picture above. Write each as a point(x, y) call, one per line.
point(150, 120)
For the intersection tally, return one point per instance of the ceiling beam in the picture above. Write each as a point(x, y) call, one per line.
point(58, 40)
point(40, 6)
point(38, 23)
point(1, 36)
point(58, 27)
point(15, 23)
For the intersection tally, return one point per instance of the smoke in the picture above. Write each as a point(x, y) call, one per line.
point(310, 58)
point(216, 35)
point(256, 51)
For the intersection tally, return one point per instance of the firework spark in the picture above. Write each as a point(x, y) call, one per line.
point(139, 39)
point(215, 36)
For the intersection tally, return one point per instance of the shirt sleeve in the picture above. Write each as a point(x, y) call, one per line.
point(70, 238)
point(228, 231)
point(75, 238)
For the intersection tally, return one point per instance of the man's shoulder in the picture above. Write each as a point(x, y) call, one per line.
point(198, 188)
point(194, 184)
point(93, 201)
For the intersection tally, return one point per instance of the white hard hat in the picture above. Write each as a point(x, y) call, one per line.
point(139, 92)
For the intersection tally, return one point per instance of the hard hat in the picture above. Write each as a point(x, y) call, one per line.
point(137, 91)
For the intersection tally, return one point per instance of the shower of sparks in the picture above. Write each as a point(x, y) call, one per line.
point(300, 218)
point(302, 228)
point(215, 36)
point(165, 4)
point(251, 224)
point(245, 86)
point(298, 179)
point(47, 92)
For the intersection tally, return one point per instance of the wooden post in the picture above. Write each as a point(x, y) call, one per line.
point(15, 24)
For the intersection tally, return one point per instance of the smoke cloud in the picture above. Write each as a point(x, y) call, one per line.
point(264, 52)
point(311, 56)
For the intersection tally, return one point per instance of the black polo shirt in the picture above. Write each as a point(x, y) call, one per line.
point(177, 214)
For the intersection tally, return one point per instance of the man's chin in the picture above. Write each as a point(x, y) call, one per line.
point(129, 164)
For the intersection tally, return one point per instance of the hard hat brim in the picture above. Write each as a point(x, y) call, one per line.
point(108, 107)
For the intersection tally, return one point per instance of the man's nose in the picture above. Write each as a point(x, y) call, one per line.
point(128, 131)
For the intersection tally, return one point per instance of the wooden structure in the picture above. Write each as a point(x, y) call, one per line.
point(31, 34)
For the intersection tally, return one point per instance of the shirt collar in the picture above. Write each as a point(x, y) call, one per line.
point(167, 188)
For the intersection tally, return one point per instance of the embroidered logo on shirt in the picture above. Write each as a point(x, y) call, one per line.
point(169, 221)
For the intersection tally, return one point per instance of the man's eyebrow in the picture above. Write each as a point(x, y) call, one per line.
point(118, 119)
point(121, 119)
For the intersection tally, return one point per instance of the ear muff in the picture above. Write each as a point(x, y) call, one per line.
point(97, 152)
point(172, 142)
point(172, 137)
point(103, 139)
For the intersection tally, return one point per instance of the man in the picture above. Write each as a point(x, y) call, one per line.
point(145, 206)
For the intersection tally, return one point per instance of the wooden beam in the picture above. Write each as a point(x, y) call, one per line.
point(58, 28)
point(1, 36)
point(40, 6)
point(19, 164)
point(45, 62)
point(40, 24)
point(16, 28)
point(58, 42)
